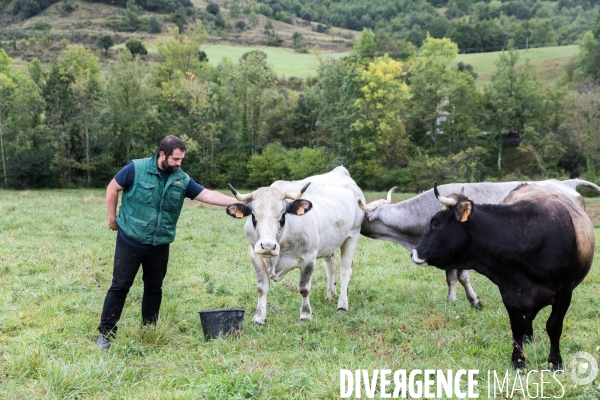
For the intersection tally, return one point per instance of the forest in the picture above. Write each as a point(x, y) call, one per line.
point(392, 122)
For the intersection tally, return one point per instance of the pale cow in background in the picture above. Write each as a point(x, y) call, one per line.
point(286, 232)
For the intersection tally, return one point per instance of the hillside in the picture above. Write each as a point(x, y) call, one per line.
point(88, 20)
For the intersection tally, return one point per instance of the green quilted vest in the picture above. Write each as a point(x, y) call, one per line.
point(150, 208)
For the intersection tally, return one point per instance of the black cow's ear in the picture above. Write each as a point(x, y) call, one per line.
point(298, 207)
point(239, 210)
point(463, 210)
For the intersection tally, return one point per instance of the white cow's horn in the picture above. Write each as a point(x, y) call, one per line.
point(448, 202)
point(296, 196)
point(240, 197)
point(389, 195)
point(377, 203)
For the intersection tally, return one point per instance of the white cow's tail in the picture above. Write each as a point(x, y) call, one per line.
point(573, 183)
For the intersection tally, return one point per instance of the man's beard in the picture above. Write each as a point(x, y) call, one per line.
point(167, 167)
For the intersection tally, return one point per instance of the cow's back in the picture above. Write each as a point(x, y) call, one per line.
point(335, 213)
point(584, 229)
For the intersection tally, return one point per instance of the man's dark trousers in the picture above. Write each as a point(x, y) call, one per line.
point(128, 259)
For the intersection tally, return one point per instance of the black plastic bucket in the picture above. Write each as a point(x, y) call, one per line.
point(218, 322)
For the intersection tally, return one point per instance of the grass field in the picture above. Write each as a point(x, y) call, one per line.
point(55, 267)
point(287, 63)
point(284, 61)
point(543, 58)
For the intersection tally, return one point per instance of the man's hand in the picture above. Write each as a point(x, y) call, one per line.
point(112, 224)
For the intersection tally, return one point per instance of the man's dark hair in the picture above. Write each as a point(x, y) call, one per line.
point(170, 143)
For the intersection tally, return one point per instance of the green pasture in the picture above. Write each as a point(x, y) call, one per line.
point(55, 268)
point(285, 62)
point(484, 63)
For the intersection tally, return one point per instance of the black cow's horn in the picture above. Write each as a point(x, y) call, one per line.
point(240, 197)
point(444, 200)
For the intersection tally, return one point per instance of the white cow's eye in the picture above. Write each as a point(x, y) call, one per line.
point(253, 220)
point(282, 220)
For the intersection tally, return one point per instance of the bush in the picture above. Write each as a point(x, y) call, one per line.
point(154, 25)
point(276, 162)
point(220, 21)
point(26, 8)
point(274, 41)
point(283, 17)
point(135, 46)
point(67, 7)
point(31, 169)
point(235, 10)
point(264, 10)
point(269, 166)
point(213, 8)
point(42, 26)
point(306, 162)
point(105, 42)
point(241, 25)
point(465, 166)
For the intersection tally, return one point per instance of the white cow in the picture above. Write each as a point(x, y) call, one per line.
point(287, 232)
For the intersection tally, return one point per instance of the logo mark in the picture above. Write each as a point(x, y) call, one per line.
point(584, 368)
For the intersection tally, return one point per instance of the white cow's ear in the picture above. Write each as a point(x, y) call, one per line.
point(238, 210)
point(463, 210)
point(299, 207)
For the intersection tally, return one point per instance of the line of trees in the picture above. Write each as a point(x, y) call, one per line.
point(474, 25)
point(391, 123)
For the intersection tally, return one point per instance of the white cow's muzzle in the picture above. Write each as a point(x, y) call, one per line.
point(266, 249)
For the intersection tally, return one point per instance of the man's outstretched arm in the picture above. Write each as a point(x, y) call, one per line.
point(215, 198)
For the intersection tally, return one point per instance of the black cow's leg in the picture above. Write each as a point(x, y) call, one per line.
point(554, 326)
point(528, 337)
point(304, 286)
point(517, 324)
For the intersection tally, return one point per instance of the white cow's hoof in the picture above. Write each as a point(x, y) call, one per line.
point(306, 318)
point(258, 320)
point(342, 306)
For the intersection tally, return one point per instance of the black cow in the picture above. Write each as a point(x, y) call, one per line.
point(536, 245)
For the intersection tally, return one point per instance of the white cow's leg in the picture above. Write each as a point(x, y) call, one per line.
point(348, 250)
point(262, 288)
point(330, 271)
point(304, 286)
point(464, 279)
point(451, 280)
